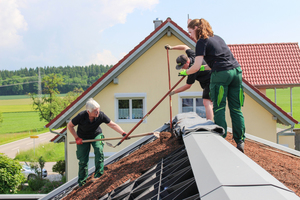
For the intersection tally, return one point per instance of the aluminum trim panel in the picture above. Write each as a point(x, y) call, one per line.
point(215, 162)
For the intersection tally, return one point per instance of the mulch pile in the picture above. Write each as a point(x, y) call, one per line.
point(283, 166)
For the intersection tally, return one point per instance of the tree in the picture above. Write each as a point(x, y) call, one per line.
point(59, 167)
point(38, 168)
point(48, 106)
point(51, 105)
point(11, 176)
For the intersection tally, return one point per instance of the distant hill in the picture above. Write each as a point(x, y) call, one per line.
point(23, 81)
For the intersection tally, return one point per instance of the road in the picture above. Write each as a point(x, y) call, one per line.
point(11, 149)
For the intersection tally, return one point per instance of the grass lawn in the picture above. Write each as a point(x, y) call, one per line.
point(51, 152)
point(15, 122)
point(283, 101)
point(19, 119)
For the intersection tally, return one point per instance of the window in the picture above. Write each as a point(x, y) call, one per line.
point(130, 107)
point(192, 102)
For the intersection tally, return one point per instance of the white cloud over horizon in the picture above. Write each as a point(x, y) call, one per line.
point(58, 33)
point(12, 22)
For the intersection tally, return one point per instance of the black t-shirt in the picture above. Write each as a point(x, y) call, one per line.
point(216, 53)
point(87, 129)
point(203, 76)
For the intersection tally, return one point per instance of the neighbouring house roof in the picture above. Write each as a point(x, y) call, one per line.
point(271, 65)
point(206, 166)
point(133, 55)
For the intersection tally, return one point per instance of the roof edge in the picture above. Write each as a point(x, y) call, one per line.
point(264, 97)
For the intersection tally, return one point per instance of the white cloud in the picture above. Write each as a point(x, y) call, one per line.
point(116, 11)
point(104, 58)
point(11, 22)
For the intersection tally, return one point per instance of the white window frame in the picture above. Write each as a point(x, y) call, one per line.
point(129, 96)
point(193, 95)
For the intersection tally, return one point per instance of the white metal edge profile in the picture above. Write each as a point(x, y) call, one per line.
point(217, 165)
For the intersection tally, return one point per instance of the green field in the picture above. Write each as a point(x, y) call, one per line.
point(283, 101)
point(51, 152)
point(19, 119)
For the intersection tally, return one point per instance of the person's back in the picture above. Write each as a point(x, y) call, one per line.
point(217, 54)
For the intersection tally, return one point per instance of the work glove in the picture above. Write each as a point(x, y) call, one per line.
point(171, 93)
point(124, 134)
point(79, 141)
point(183, 73)
point(202, 68)
point(168, 47)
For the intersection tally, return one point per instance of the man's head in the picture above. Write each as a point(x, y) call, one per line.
point(92, 107)
point(183, 62)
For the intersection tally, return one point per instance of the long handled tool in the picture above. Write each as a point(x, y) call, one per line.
point(170, 98)
point(156, 134)
point(124, 138)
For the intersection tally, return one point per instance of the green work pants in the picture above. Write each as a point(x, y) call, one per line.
point(228, 84)
point(82, 154)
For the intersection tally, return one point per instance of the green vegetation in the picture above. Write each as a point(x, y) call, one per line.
point(11, 176)
point(23, 81)
point(283, 100)
point(21, 121)
point(51, 152)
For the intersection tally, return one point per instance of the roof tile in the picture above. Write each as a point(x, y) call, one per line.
point(269, 64)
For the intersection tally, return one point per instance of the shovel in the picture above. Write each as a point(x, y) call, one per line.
point(156, 134)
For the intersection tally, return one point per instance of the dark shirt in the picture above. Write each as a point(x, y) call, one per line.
point(203, 76)
point(216, 53)
point(87, 129)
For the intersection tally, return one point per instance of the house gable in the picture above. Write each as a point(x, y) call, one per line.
point(136, 53)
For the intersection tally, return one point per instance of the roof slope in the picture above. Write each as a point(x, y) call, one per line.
point(269, 65)
point(156, 170)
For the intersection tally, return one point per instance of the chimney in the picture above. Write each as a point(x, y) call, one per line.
point(157, 23)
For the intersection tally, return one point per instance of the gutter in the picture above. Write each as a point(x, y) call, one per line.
point(282, 133)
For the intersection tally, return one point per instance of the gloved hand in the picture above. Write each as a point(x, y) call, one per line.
point(168, 47)
point(79, 141)
point(183, 73)
point(202, 68)
point(124, 134)
point(171, 93)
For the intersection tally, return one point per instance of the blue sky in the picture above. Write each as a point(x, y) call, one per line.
point(38, 33)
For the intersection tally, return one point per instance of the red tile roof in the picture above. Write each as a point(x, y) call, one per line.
point(269, 65)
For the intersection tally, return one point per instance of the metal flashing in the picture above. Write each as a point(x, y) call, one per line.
point(216, 164)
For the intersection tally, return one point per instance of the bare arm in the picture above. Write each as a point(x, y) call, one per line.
point(72, 130)
point(197, 64)
point(180, 47)
point(115, 127)
point(183, 88)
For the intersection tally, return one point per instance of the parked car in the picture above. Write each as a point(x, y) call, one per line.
point(30, 173)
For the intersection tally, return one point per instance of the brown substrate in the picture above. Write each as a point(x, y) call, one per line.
point(283, 166)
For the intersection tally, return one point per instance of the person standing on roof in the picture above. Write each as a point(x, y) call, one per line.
point(226, 77)
point(88, 122)
point(203, 77)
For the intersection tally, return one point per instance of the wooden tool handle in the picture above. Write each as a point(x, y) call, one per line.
point(116, 138)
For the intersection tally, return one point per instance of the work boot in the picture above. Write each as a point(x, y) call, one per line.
point(240, 146)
